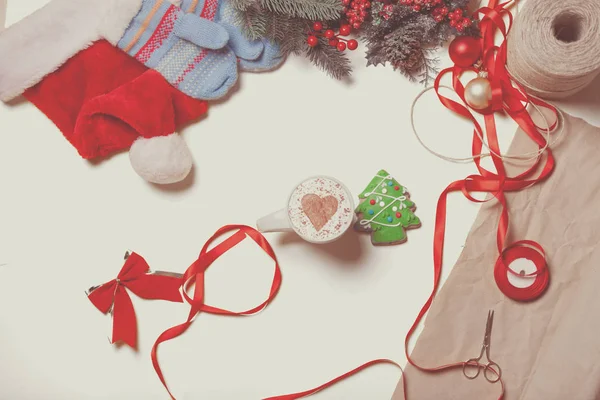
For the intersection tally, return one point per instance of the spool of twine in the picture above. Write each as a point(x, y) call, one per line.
point(554, 46)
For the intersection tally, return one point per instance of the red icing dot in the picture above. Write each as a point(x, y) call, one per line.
point(398, 215)
point(396, 187)
point(372, 202)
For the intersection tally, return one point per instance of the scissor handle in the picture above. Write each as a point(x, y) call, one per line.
point(492, 372)
point(471, 363)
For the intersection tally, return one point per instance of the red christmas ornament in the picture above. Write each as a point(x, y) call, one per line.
point(329, 33)
point(312, 41)
point(345, 30)
point(396, 187)
point(352, 44)
point(465, 51)
point(317, 26)
point(341, 46)
point(398, 215)
point(372, 202)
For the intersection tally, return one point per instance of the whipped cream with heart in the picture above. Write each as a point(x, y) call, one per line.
point(320, 209)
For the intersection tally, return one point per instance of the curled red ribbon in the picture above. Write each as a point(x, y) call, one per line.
point(134, 276)
point(510, 98)
point(194, 276)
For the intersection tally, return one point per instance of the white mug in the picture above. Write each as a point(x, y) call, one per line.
point(320, 210)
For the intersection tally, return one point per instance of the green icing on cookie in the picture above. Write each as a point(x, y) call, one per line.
point(386, 210)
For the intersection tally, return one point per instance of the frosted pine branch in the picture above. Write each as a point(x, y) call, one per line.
point(314, 10)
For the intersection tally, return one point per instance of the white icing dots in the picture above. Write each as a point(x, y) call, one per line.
point(395, 208)
point(382, 204)
point(384, 191)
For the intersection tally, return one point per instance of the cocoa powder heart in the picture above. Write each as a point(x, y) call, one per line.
point(319, 210)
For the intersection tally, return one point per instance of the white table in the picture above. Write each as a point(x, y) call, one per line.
point(66, 225)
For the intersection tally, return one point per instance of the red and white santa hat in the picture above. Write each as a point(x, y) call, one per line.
point(100, 98)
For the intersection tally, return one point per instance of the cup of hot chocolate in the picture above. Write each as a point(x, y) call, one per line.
point(320, 210)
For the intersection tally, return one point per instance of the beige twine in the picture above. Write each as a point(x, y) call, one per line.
point(554, 46)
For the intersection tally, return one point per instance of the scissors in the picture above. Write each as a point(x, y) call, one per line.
point(491, 370)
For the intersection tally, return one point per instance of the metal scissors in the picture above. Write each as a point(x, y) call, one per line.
point(491, 370)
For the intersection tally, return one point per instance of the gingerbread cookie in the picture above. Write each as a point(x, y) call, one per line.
point(386, 211)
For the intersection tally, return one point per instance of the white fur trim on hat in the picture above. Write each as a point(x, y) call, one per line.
point(41, 42)
point(161, 159)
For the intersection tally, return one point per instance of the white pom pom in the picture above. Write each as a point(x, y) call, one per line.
point(161, 159)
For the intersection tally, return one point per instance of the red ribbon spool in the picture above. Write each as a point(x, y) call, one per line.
point(528, 250)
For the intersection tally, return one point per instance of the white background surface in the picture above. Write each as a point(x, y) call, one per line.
point(65, 225)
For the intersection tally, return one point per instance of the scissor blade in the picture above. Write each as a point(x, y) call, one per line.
point(488, 325)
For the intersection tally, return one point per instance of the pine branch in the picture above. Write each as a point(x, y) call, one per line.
point(253, 22)
point(279, 27)
point(314, 10)
point(241, 4)
point(329, 59)
point(294, 38)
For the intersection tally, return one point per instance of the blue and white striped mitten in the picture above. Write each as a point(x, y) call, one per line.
point(253, 55)
point(189, 50)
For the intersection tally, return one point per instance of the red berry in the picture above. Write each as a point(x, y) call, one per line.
point(398, 215)
point(396, 187)
point(317, 26)
point(346, 2)
point(453, 22)
point(466, 22)
point(458, 12)
point(352, 44)
point(312, 41)
point(333, 42)
point(341, 46)
point(388, 8)
point(367, 4)
point(356, 25)
point(417, 8)
point(345, 30)
point(329, 33)
point(372, 202)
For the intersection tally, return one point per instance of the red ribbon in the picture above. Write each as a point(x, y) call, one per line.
point(512, 100)
point(194, 276)
point(135, 277)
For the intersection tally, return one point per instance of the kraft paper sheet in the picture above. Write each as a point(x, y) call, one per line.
point(550, 348)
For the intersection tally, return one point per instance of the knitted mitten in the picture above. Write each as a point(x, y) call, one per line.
point(188, 50)
point(253, 55)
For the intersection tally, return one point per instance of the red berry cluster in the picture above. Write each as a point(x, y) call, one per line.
point(456, 17)
point(441, 12)
point(418, 5)
point(458, 20)
point(356, 11)
point(334, 40)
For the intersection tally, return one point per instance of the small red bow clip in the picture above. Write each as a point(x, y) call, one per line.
point(137, 277)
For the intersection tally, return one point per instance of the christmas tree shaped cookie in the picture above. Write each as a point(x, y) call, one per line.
point(386, 211)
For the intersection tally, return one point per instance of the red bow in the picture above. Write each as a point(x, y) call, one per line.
point(134, 276)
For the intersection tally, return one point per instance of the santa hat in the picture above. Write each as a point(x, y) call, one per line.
point(100, 98)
